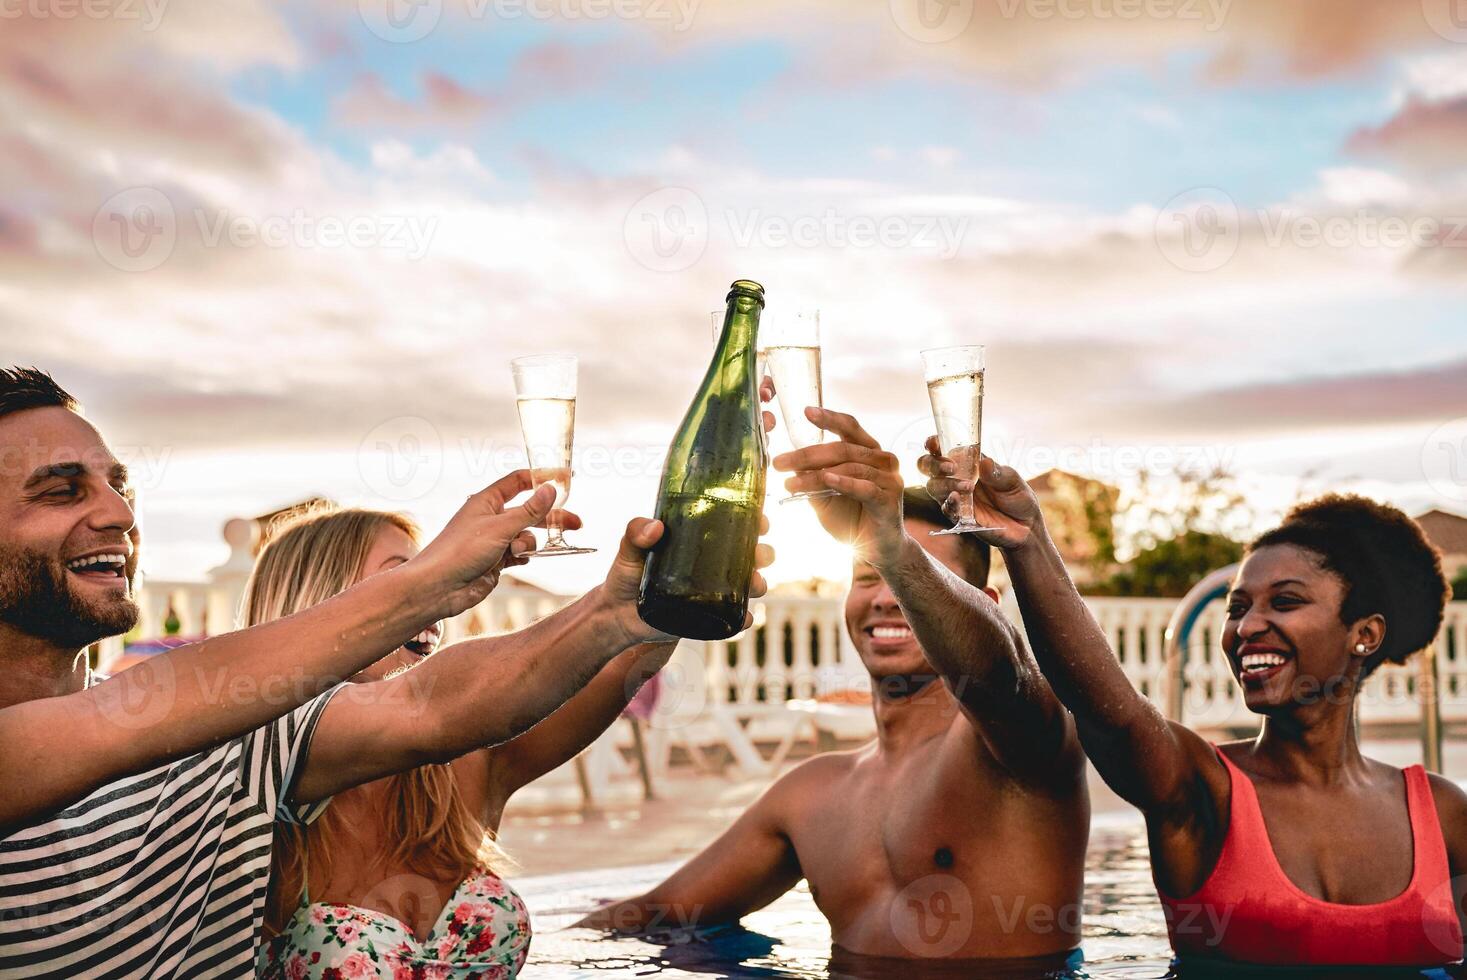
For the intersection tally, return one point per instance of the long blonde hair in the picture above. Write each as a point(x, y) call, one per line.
point(310, 556)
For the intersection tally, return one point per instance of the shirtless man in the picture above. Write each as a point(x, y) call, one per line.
point(960, 832)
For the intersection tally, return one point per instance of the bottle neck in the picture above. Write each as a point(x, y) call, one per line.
point(740, 325)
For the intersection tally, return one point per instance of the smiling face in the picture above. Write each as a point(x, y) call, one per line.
point(1283, 637)
point(68, 537)
point(391, 547)
point(874, 619)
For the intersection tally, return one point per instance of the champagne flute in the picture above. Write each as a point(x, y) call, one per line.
point(955, 387)
point(789, 352)
point(792, 353)
point(545, 389)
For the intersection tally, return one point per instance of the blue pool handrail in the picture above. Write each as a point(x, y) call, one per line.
point(1214, 585)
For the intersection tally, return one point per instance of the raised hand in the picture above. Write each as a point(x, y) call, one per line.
point(464, 561)
point(1002, 501)
point(868, 512)
point(624, 580)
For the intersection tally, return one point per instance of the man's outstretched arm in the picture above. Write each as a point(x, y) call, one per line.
point(959, 626)
point(986, 664)
point(747, 867)
point(54, 751)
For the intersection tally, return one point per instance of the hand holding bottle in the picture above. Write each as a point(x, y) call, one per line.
point(623, 581)
point(711, 497)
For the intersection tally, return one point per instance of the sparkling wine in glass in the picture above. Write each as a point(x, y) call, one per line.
point(955, 387)
point(545, 386)
point(792, 353)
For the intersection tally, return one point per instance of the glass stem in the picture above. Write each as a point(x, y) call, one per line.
point(554, 533)
point(965, 509)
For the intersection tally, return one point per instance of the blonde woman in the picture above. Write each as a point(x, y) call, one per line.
point(400, 877)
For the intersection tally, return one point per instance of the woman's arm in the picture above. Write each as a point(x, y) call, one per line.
point(581, 720)
point(486, 691)
point(1451, 808)
point(574, 725)
point(1156, 766)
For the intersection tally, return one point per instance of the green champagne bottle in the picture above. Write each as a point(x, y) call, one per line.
point(696, 583)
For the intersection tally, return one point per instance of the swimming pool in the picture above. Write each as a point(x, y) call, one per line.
point(1125, 934)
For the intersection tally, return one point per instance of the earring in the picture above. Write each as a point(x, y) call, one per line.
point(1359, 648)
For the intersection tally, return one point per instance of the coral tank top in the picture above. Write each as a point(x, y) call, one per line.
point(1248, 910)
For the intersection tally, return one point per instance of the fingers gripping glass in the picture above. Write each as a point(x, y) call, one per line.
point(789, 351)
point(955, 386)
point(545, 392)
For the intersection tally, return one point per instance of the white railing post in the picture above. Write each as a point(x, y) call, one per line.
point(225, 600)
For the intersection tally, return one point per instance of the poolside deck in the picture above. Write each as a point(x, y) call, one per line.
point(546, 831)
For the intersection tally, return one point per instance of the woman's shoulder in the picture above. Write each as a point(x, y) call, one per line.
point(1451, 805)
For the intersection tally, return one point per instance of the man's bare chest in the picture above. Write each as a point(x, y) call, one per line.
point(875, 836)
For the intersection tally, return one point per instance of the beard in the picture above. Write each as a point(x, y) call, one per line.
point(36, 598)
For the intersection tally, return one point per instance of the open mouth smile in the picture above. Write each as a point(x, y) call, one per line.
point(890, 633)
point(104, 567)
point(1257, 664)
point(425, 642)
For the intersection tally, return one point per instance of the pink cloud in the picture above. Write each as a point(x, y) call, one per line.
point(1341, 401)
point(443, 102)
point(1423, 134)
point(544, 71)
point(1046, 42)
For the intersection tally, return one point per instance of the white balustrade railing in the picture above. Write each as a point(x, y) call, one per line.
point(799, 649)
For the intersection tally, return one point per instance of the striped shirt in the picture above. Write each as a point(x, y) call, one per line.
point(161, 874)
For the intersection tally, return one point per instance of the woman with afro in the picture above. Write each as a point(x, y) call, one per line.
point(1291, 848)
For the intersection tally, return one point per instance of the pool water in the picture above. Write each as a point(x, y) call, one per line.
point(1125, 934)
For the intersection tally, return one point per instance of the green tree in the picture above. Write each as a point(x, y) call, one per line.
point(1176, 532)
point(1169, 568)
point(1459, 584)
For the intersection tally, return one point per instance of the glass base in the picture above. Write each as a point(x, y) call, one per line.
point(562, 550)
point(962, 529)
point(810, 495)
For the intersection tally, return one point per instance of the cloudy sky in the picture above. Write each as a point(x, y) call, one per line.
point(289, 248)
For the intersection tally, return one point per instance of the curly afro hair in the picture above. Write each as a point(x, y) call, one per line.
point(1385, 561)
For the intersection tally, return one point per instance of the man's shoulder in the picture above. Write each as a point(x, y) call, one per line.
point(962, 753)
point(818, 773)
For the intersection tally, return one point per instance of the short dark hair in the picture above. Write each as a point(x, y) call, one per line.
point(1387, 564)
point(917, 504)
point(23, 388)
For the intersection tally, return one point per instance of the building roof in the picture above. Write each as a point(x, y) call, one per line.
point(1446, 530)
point(1050, 480)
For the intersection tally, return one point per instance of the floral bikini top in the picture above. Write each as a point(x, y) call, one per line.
point(483, 933)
